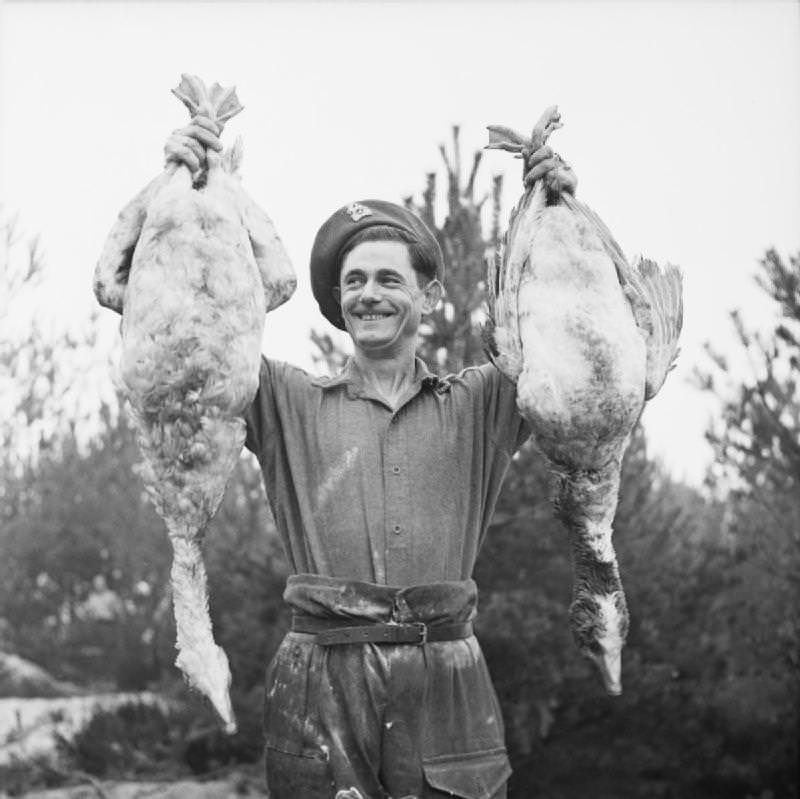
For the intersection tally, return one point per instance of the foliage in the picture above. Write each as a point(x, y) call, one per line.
point(710, 668)
point(130, 740)
point(450, 337)
point(87, 562)
point(712, 652)
point(757, 440)
point(247, 575)
point(21, 776)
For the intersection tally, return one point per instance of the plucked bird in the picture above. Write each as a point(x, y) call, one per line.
point(193, 265)
point(589, 338)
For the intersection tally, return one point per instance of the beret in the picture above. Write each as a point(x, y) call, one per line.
point(337, 231)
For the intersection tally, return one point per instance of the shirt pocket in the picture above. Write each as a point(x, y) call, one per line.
point(477, 775)
point(291, 713)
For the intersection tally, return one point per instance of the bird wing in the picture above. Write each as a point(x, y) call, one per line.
point(655, 295)
point(628, 278)
point(663, 290)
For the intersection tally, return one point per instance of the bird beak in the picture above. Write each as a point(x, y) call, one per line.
point(610, 667)
point(214, 682)
point(221, 701)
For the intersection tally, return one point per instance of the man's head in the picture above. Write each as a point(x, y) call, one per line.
point(382, 297)
point(374, 228)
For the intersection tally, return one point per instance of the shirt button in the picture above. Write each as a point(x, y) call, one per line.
point(397, 529)
point(396, 469)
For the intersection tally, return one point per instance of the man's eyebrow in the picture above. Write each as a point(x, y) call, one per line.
point(382, 272)
point(389, 271)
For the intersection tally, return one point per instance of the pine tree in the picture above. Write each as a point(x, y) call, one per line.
point(450, 337)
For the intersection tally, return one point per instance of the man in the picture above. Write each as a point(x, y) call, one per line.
point(382, 482)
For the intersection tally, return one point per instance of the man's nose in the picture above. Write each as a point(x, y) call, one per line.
point(371, 291)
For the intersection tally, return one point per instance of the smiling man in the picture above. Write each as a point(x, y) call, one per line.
point(382, 481)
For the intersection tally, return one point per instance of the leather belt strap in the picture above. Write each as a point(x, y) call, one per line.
point(331, 632)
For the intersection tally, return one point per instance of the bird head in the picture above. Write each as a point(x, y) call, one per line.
point(600, 624)
point(208, 672)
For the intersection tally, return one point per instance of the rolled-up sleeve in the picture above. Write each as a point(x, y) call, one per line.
point(505, 427)
point(283, 390)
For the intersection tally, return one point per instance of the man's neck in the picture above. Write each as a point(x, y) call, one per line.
point(389, 375)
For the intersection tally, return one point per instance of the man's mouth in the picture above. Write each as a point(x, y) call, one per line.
point(372, 317)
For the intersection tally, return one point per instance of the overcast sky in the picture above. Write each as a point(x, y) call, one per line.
point(682, 121)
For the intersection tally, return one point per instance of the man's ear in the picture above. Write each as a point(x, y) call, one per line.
point(337, 294)
point(432, 293)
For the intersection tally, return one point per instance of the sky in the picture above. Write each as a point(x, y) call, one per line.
point(681, 120)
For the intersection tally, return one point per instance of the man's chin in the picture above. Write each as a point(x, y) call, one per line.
point(372, 344)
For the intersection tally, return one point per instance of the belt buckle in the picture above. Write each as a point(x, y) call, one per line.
point(422, 629)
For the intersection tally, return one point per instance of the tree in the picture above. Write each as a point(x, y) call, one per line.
point(74, 528)
point(692, 649)
point(450, 337)
point(757, 442)
point(757, 461)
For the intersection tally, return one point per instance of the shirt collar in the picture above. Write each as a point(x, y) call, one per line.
point(351, 377)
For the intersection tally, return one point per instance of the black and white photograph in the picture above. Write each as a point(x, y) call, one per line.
point(399, 399)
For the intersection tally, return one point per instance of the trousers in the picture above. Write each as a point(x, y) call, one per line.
point(382, 721)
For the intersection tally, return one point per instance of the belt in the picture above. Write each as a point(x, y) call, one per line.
point(330, 632)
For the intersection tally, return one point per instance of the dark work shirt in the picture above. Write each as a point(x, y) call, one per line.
point(363, 492)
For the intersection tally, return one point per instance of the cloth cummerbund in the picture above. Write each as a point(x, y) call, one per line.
point(342, 611)
point(330, 632)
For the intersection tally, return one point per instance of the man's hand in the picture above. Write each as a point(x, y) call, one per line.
point(188, 145)
point(545, 164)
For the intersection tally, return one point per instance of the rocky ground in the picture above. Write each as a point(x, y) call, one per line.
point(231, 788)
point(35, 709)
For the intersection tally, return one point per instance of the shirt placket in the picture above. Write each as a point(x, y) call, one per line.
point(397, 523)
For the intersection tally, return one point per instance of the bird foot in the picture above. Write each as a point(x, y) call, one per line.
point(549, 121)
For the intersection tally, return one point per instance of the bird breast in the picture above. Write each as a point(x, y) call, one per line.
point(194, 284)
point(583, 356)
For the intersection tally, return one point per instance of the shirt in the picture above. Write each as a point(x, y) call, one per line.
point(363, 492)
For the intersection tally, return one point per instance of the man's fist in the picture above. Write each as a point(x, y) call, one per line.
point(188, 145)
point(545, 164)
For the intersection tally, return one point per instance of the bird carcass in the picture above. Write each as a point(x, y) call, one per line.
point(193, 265)
point(588, 338)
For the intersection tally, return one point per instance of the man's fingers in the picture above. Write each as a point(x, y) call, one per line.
point(542, 154)
point(196, 148)
point(540, 170)
point(203, 135)
point(207, 123)
point(190, 159)
point(189, 145)
point(557, 174)
point(179, 144)
point(182, 154)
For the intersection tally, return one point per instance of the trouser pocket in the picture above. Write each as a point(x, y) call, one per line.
point(477, 775)
point(291, 703)
point(296, 777)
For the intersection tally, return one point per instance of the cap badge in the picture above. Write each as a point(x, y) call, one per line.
point(356, 211)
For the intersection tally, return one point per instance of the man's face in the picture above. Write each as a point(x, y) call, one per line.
point(382, 302)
